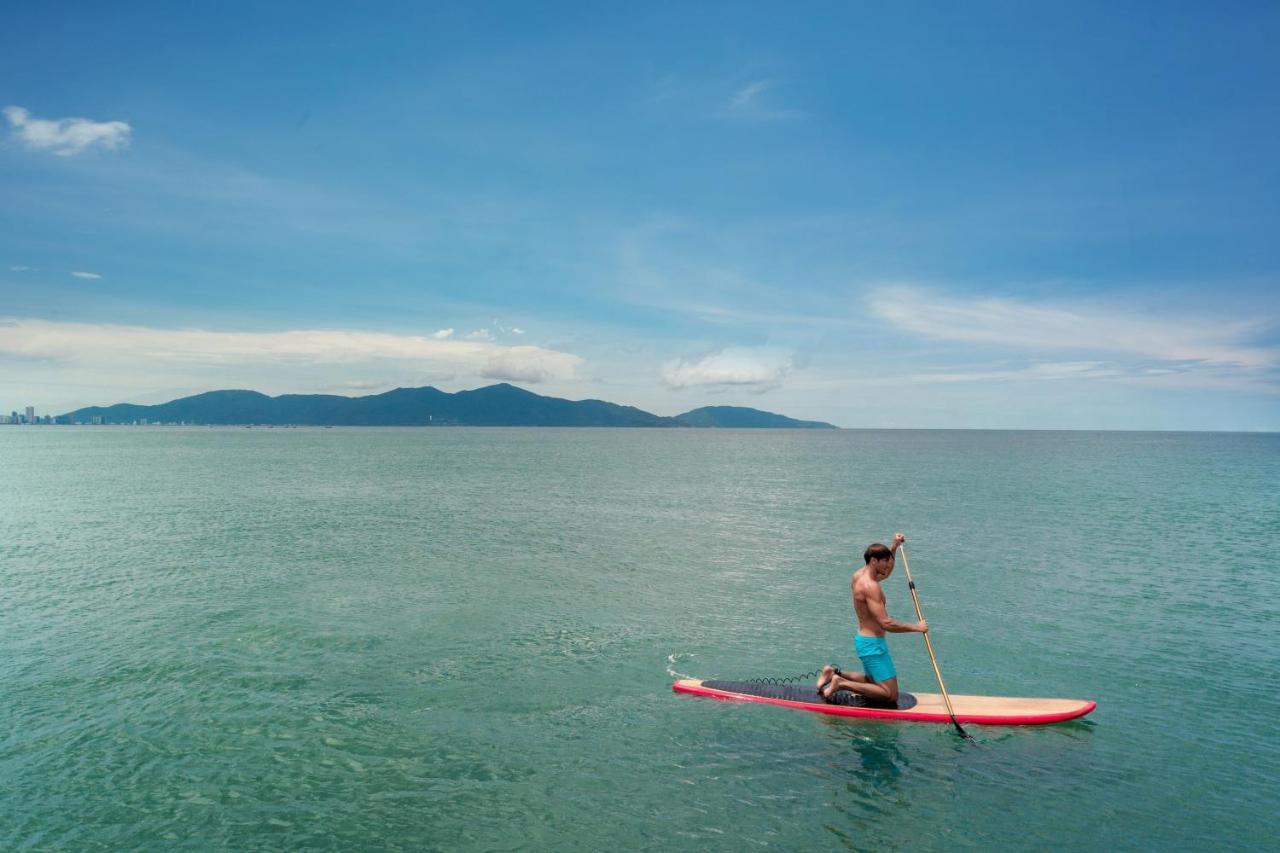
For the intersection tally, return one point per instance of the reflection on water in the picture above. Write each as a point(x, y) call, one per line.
point(882, 761)
point(870, 755)
point(868, 765)
point(878, 772)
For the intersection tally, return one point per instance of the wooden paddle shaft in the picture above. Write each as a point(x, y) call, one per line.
point(927, 644)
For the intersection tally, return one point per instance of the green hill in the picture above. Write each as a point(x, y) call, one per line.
point(739, 417)
point(494, 405)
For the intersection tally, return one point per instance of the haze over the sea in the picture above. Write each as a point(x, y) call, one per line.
point(1019, 216)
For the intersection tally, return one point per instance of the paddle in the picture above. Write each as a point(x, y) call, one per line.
point(929, 645)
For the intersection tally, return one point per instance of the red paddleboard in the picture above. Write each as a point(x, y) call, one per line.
point(916, 707)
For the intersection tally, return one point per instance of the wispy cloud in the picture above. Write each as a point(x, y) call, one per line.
point(480, 335)
point(744, 96)
point(19, 268)
point(1040, 371)
point(750, 102)
point(1023, 325)
point(443, 334)
point(92, 276)
point(754, 369)
point(658, 270)
point(66, 136)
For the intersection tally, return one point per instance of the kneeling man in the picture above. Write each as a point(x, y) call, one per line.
point(880, 680)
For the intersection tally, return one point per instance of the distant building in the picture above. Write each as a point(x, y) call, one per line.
point(31, 414)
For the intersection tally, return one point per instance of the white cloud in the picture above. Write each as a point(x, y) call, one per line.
point(480, 335)
point(1022, 325)
point(442, 334)
point(529, 364)
point(517, 331)
point(67, 136)
point(89, 275)
point(113, 349)
point(754, 369)
point(19, 268)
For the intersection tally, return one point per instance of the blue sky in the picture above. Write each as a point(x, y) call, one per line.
point(880, 215)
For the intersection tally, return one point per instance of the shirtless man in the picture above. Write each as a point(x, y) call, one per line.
point(880, 680)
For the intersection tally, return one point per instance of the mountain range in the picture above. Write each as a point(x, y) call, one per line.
point(494, 405)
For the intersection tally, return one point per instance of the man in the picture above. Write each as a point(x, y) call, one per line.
point(879, 682)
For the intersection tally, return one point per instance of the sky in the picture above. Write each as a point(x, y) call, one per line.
point(1040, 216)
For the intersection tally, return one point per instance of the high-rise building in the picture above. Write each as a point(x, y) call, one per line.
point(31, 414)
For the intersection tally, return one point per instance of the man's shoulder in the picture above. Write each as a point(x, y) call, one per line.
point(863, 580)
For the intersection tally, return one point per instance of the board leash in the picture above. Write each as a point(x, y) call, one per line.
point(780, 680)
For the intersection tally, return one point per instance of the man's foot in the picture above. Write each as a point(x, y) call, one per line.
point(824, 678)
point(829, 690)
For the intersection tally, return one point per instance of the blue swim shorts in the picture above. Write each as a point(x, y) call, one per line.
point(874, 654)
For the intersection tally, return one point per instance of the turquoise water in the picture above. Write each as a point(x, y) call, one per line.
point(465, 638)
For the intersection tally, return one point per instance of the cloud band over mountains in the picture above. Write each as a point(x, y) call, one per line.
point(138, 346)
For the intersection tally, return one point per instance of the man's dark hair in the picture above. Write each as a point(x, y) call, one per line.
point(878, 551)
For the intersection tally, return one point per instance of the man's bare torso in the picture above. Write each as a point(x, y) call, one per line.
point(866, 588)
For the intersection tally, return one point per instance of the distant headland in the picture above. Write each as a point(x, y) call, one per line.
point(493, 405)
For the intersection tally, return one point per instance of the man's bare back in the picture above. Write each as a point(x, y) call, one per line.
point(880, 679)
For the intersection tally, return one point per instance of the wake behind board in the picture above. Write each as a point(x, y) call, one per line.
point(917, 707)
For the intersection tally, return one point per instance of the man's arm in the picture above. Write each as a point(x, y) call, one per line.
point(875, 606)
point(898, 539)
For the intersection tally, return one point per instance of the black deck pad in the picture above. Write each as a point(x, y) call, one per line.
point(807, 693)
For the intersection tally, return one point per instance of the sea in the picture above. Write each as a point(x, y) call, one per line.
point(465, 638)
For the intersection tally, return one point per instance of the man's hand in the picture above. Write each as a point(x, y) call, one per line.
point(922, 626)
point(898, 539)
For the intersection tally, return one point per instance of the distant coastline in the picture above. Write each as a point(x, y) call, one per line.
point(494, 405)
